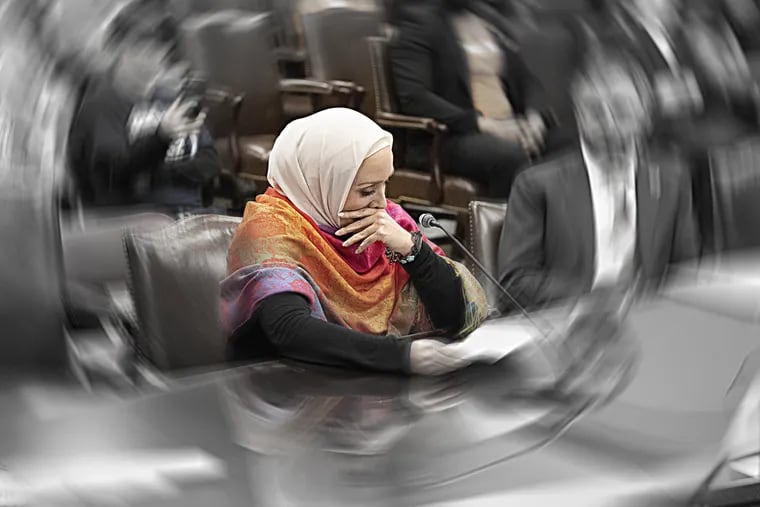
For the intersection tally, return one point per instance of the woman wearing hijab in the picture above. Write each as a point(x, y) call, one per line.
point(323, 269)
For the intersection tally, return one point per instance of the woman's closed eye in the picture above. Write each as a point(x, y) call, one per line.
point(368, 192)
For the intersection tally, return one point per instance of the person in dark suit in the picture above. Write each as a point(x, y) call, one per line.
point(710, 98)
point(453, 65)
point(609, 213)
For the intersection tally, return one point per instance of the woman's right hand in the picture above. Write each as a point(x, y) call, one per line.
point(431, 357)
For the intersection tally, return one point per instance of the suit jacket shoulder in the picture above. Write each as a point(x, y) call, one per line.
point(548, 172)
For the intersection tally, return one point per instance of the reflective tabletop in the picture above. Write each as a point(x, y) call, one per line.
point(642, 424)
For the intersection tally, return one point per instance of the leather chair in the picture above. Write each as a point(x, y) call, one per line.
point(735, 190)
point(235, 50)
point(433, 188)
point(486, 223)
point(175, 276)
point(335, 36)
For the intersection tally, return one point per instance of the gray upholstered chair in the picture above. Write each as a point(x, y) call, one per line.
point(335, 38)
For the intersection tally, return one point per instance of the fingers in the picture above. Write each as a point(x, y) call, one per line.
point(367, 242)
point(359, 213)
point(358, 225)
point(366, 237)
point(436, 358)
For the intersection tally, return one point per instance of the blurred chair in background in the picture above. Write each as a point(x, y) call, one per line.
point(234, 49)
point(335, 35)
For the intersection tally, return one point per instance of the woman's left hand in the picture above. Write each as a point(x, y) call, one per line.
point(370, 225)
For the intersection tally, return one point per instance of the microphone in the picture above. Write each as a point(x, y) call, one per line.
point(428, 221)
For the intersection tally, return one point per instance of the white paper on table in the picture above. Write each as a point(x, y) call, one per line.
point(495, 339)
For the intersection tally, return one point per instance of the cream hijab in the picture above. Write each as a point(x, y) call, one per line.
point(315, 159)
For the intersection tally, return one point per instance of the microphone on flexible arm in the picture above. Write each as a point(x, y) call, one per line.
point(428, 221)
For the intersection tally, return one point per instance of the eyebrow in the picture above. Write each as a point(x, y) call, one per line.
point(369, 183)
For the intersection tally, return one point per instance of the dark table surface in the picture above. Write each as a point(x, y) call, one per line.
point(643, 427)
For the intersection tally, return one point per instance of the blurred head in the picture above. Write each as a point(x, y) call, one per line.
point(332, 161)
point(613, 101)
point(141, 63)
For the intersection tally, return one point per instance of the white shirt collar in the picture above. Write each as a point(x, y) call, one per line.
point(598, 173)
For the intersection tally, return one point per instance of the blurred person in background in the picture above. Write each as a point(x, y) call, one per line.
point(707, 95)
point(324, 269)
point(138, 136)
point(613, 211)
point(453, 65)
point(691, 41)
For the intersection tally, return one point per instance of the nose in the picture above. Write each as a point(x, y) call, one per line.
point(380, 202)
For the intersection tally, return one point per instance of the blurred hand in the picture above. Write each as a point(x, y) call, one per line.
point(533, 132)
point(431, 357)
point(527, 133)
point(371, 225)
point(175, 122)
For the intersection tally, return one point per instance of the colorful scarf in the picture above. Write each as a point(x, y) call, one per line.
point(278, 249)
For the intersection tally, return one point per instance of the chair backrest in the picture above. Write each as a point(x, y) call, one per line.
point(382, 84)
point(175, 276)
point(235, 49)
point(735, 189)
point(93, 251)
point(336, 45)
point(486, 223)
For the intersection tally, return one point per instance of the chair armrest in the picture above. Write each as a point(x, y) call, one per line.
point(411, 122)
point(310, 86)
point(429, 125)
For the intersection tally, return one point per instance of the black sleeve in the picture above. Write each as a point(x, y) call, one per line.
point(411, 55)
point(202, 168)
point(104, 121)
point(285, 321)
point(524, 89)
point(440, 289)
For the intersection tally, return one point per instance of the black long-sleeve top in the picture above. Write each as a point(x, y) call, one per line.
point(282, 325)
point(108, 165)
